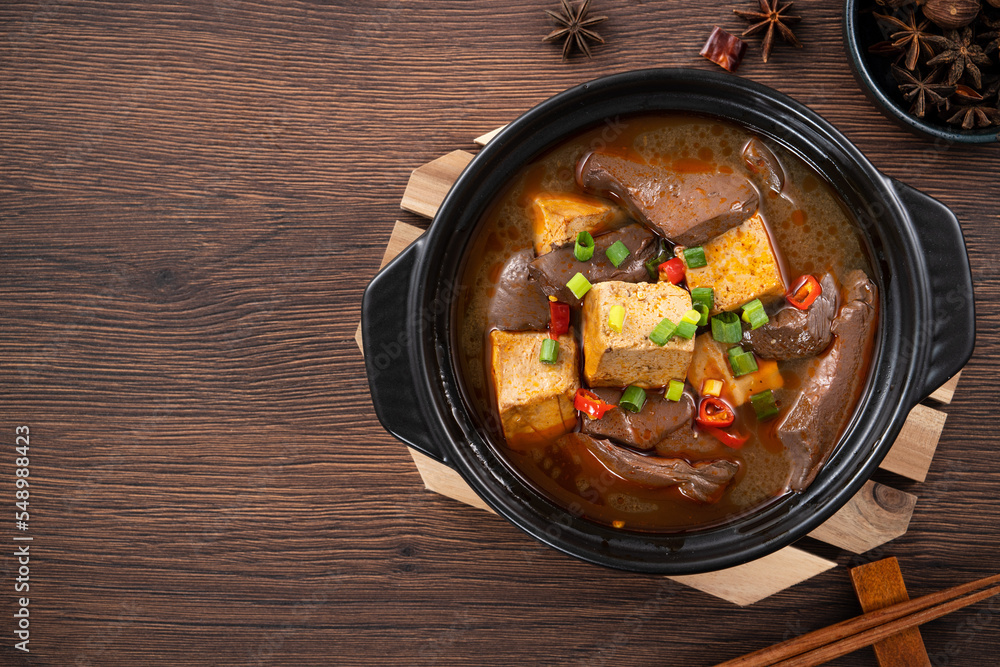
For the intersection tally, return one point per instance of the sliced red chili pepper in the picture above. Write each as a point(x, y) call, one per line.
point(805, 290)
point(672, 270)
point(731, 440)
point(558, 319)
point(590, 403)
point(715, 413)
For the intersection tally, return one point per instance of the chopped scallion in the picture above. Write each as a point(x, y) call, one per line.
point(726, 328)
point(653, 265)
point(616, 317)
point(686, 329)
point(633, 399)
point(617, 252)
point(579, 285)
point(764, 405)
point(703, 295)
point(584, 248)
point(754, 315)
point(675, 390)
point(703, 310)
point(692, 316)
point(743, 364)
point(662, 332)
point(695, 257)
point(550, 351)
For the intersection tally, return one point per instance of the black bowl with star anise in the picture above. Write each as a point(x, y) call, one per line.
point(933, 67)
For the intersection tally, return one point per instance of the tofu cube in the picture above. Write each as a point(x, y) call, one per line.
point(711, 363)
point(613, 359)
point(742, 266)
point(535, 399)
point(560, 216)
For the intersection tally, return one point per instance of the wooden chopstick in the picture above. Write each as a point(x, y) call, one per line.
point(903, 615)
point(852, 643)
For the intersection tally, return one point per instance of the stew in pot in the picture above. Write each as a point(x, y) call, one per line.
point(667, 322)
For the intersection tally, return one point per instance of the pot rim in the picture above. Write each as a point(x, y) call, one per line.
point(745, 538)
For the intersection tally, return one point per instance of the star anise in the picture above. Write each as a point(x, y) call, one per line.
point(963, 57)
point(978, 115)
point(915, 38)
point(773, 18)
point(575, 28)
point(993, 34)
point(921, 90)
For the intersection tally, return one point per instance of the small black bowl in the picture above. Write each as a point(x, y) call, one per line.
point(875, 76)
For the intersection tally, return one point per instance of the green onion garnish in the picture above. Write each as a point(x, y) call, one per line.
point(686, 329)
point(764, 405)
point(703, 309)
point(617, 252)
point(550, 351)
point(692, 316)
point(579, 285)
point(726, 328)
point(695, 257)
point(662, 332)
point(703, 295)
point(675, 390)
point(754, 315)
point(584, 248)
point(743, 363)
point(616, 317)
point(633, 399)
point(653, 265)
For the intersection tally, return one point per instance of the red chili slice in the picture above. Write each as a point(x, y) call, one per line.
point(672, 270)
point(713, 412)
point(558, 319)
point(731, 440)
point(590, 403)
point(805, 290)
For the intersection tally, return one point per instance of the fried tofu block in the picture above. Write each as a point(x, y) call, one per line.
point(535, 400)
point(613, 359)
point(710, 363)
point(742, 266)
point(560, 216)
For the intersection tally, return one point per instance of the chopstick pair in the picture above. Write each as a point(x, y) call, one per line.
point(820, 646)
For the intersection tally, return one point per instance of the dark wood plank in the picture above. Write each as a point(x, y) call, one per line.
point(193, 196)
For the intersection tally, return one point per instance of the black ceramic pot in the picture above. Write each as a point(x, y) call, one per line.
point(926, 328)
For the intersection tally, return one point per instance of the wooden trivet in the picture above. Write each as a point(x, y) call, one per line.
point(877, 514)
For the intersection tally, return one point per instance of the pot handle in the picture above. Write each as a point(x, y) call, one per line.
point(953, 312)
point(385, 339)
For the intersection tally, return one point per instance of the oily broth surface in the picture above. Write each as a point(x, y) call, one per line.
point(809, 226)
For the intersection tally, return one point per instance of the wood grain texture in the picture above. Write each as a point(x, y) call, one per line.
point(874, 516)
point(429, 183)
point(879, 585)
point(920, 433)
point(752, 582)
point(193, 196)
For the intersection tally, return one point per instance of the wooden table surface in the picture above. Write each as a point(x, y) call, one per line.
point(194, 196)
